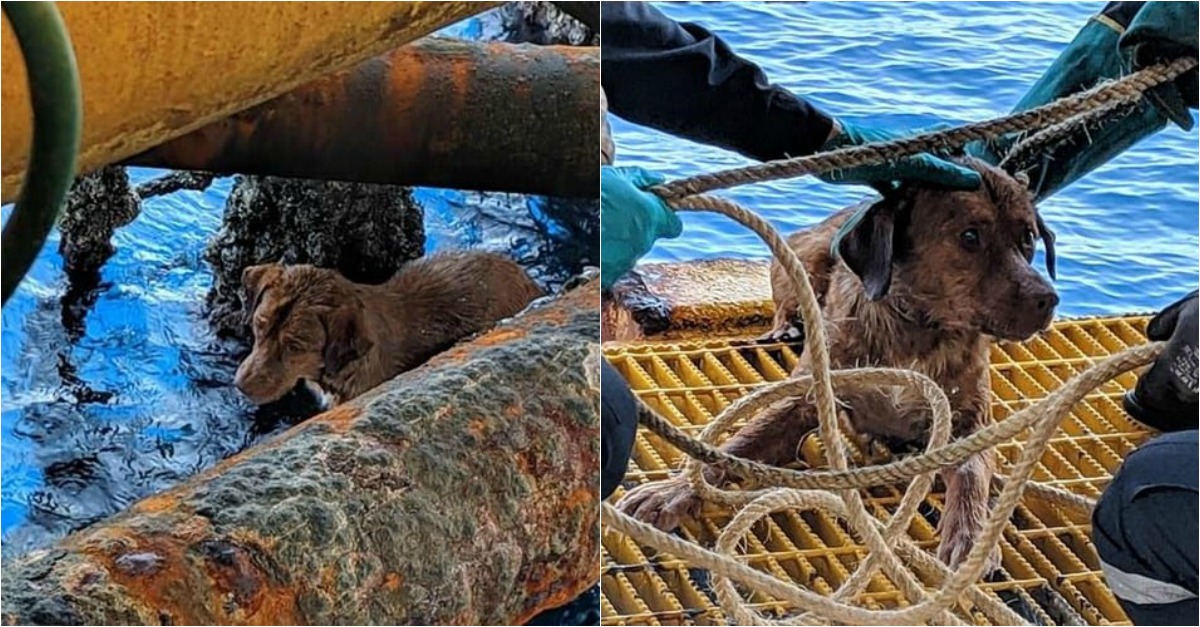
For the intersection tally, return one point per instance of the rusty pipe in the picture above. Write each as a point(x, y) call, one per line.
point(464, 492)
point(152, 71)
point(439, 113)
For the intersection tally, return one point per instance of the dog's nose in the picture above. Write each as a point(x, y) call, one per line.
point(239, 382)
point(1045, 300)
point(239, 379)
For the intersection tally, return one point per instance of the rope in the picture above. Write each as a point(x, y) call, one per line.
point(1126, 90)
point(837, 491)
point(54, 95)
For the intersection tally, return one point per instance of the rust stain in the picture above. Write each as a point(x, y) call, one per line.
point(193, 528)
point(163, 590)
point(329, 577)
point(501, 336)
point(242, 592)
point(158, 503)
point(525, 464)
point(406, 77)
point(339, 419)
point(583, 496)
point(542, 585)
point(477, 429)
point(80, 580)
point(250, 538)
point(522, 89)
point(459, 74)
point(166, 575)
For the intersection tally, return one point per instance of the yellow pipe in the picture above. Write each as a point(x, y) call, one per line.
point(153, 71)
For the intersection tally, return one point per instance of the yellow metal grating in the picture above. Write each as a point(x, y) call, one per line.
point(1050, 572)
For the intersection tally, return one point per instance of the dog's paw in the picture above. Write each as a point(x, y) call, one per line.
point(589, 274)
point(661, 504)
point(325, 400)
point(957, 542)
point(540, 302)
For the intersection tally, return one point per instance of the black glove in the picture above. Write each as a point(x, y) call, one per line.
point(1165, 397)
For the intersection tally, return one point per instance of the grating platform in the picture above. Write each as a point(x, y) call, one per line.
point(1050, 572)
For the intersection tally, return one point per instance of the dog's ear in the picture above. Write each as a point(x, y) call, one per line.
point(345, 340)
point(1048, 239)
point(255, 279)
point(866, 243)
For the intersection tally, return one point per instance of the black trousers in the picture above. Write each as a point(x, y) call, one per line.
point(618, 428)
point(1145, 530)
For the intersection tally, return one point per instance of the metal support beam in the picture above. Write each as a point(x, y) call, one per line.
point(439, 113)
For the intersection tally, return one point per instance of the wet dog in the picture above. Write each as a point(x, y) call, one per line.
point(313, 324)
point(922, 279)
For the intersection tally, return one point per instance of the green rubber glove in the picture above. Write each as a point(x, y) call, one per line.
point(1101, 50)
point(631, 219)
point(923, 168)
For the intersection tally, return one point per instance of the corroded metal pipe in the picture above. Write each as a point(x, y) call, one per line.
point(152, 71)
point(440, 113)
point(464, 492)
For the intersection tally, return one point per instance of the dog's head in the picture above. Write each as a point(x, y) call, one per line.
point(307, 321)
point(961, 260)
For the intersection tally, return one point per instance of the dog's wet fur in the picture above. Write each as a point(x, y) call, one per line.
point(313, 324)
point(924, 281)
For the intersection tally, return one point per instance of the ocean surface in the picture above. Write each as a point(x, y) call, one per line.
point(101, 410)
point(1127, 232)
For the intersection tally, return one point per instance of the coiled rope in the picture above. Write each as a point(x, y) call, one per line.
point(837, 491)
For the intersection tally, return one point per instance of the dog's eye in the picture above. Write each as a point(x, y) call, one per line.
point(1027, 238)
point(970, 239)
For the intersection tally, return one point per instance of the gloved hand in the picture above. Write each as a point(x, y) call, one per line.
point(1124, 38)
point(1165, 397)
point(631, 219)
point(924, 168)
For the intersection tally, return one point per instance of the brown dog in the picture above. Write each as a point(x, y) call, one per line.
point(924, 279)
point(312, 323)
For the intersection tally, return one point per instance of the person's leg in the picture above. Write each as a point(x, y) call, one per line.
point(618, 428)
point(1145, 530)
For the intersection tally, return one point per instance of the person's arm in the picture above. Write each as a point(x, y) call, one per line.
point(684, 80)
point(1122, 38)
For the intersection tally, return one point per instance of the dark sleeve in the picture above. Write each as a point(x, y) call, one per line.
point(683, 80)
point(618, 428)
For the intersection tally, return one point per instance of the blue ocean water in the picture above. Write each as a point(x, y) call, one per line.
point(1127, 233)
